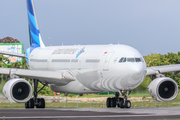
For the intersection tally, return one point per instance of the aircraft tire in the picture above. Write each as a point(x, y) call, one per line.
point(41, 103)
point(113, 102)
point(118, 103)
point(26, 104)
point(121, 103)
point(108, 101)
point(127, 104)
point(29, 104)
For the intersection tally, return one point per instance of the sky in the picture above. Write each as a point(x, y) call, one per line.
point(150, 26)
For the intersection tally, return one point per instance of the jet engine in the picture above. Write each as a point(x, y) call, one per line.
point(163, 89)
point(17, 90)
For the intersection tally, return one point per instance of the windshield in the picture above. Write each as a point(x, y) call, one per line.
point(124, 59)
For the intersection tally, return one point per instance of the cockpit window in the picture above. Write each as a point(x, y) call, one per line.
point(142, 59)
point(130, 60)
point(123, 59)
point(138, 59)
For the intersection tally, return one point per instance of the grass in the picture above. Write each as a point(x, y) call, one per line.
point(88, 96)
point(56, 105)
point(140, 95)
point(153, 103)
point(100, 95)
point(146, 103)
point(92, 105)
point(150, 103)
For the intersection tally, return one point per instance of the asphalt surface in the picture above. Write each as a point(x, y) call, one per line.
point(91, 114)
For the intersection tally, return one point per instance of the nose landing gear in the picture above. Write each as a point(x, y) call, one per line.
point(118, 101)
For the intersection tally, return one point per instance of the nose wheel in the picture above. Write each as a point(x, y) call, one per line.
point(127, 104)
point(118, 101)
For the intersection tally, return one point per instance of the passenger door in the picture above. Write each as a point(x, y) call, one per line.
point(107, 60)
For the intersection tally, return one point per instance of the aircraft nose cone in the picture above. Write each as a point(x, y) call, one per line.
point(137, 69)
point(137, 74)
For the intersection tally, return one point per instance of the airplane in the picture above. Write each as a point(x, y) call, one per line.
point(83, 69)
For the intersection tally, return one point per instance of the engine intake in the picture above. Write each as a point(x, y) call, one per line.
point(17, 90)
point(163, 89)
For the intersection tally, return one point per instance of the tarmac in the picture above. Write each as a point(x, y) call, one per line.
point(91, 114)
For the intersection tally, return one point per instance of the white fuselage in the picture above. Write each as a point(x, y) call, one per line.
point(97, 68)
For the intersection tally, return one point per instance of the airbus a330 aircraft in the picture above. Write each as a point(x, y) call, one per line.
point(83, 69)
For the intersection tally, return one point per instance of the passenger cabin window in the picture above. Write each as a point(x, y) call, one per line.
point(124, 59)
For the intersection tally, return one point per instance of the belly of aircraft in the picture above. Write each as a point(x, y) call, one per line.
point(97, 81)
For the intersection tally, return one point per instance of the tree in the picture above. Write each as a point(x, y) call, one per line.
point(157, 60)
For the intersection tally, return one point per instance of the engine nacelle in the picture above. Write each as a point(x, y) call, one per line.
point(17, 90)
point(163, 89)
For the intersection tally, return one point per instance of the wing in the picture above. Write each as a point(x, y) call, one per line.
point(62, 77)
point(51, 77)
point(13, 54)
point(162, 69)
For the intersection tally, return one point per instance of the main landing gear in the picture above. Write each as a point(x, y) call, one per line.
point(38, 102)
point(118, 101)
